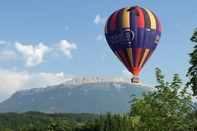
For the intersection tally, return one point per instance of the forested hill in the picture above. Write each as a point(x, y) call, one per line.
point(85, 95)
point(15, 121)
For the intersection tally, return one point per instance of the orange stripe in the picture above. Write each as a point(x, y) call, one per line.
point(135, 71)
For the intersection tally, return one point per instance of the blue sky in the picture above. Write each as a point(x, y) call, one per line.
point(48, 42)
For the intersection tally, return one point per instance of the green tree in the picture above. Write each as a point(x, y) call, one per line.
point(192, 71)
point(35, 127)
point(60, 126)
point(164, 109)
point(115, 122)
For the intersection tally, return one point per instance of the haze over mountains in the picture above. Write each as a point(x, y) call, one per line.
point(83, 95)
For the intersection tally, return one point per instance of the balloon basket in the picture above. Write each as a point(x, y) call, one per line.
point(135, 80)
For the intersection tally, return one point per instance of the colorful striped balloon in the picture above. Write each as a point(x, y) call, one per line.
point(133, 33)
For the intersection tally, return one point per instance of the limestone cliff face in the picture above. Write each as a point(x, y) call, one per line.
point(80, 81)
point(95, 80)
point(98, 79)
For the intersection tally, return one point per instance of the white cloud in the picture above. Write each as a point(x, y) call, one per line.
point(100, 37)
point(33, 55)
point(7, 54)
point(98, 19)
point(44, 79)
point(20, 80)
point(60, 74)
point(127, 74)
point(2, 42)
point(66, 48)
point(11, 81)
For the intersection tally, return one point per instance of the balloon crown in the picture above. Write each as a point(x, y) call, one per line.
point(133, 8)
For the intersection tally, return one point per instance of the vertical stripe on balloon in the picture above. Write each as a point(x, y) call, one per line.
point(106, 26)
point(138, 52)
point(146, 19)
point(159, 24)
point(144, 56)
point(140, 18)
point(152, 20)
point(126, 18)
point(113, 21)
point(122, 54)
point(120, 58)
point(130, 54)
point(149, 55)
point(119, 19)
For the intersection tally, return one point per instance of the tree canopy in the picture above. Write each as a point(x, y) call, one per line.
point(192, 71)
point(165, 108)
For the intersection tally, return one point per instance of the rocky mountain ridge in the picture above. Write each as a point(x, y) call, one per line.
point(95, 80)
point(79, 81)
point(83, 95)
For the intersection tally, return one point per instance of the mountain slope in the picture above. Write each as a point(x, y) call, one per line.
point(85, 95)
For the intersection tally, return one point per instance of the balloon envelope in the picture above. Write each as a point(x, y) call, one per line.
point(133, 33)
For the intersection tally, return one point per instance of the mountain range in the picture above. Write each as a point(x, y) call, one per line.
point(83, 95)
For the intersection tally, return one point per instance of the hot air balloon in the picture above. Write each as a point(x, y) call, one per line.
point(133, 33)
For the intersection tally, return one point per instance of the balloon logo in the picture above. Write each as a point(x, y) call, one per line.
point(133, 34)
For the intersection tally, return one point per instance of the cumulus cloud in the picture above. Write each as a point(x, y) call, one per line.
point(44, 79)
point(32, 55)
point(98, 19)
point(20, 80)
point(2, 42)
point(12, 81)
point(127, 74)
point(66, 48)
point(100, 37)
point(7, 55)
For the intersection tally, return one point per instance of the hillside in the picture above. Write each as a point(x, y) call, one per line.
point(85, 95)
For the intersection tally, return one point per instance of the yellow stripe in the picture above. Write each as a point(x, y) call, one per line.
point(120, 59)
point(144, 56)
point(126, 18)
point(130, 54)
point(152, 19)
point(106, 26)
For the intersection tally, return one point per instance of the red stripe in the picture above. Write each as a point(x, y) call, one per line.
point(138, 52)
point(159, 24)
point(124, 59)
point(113, 21)
point(140, 18)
